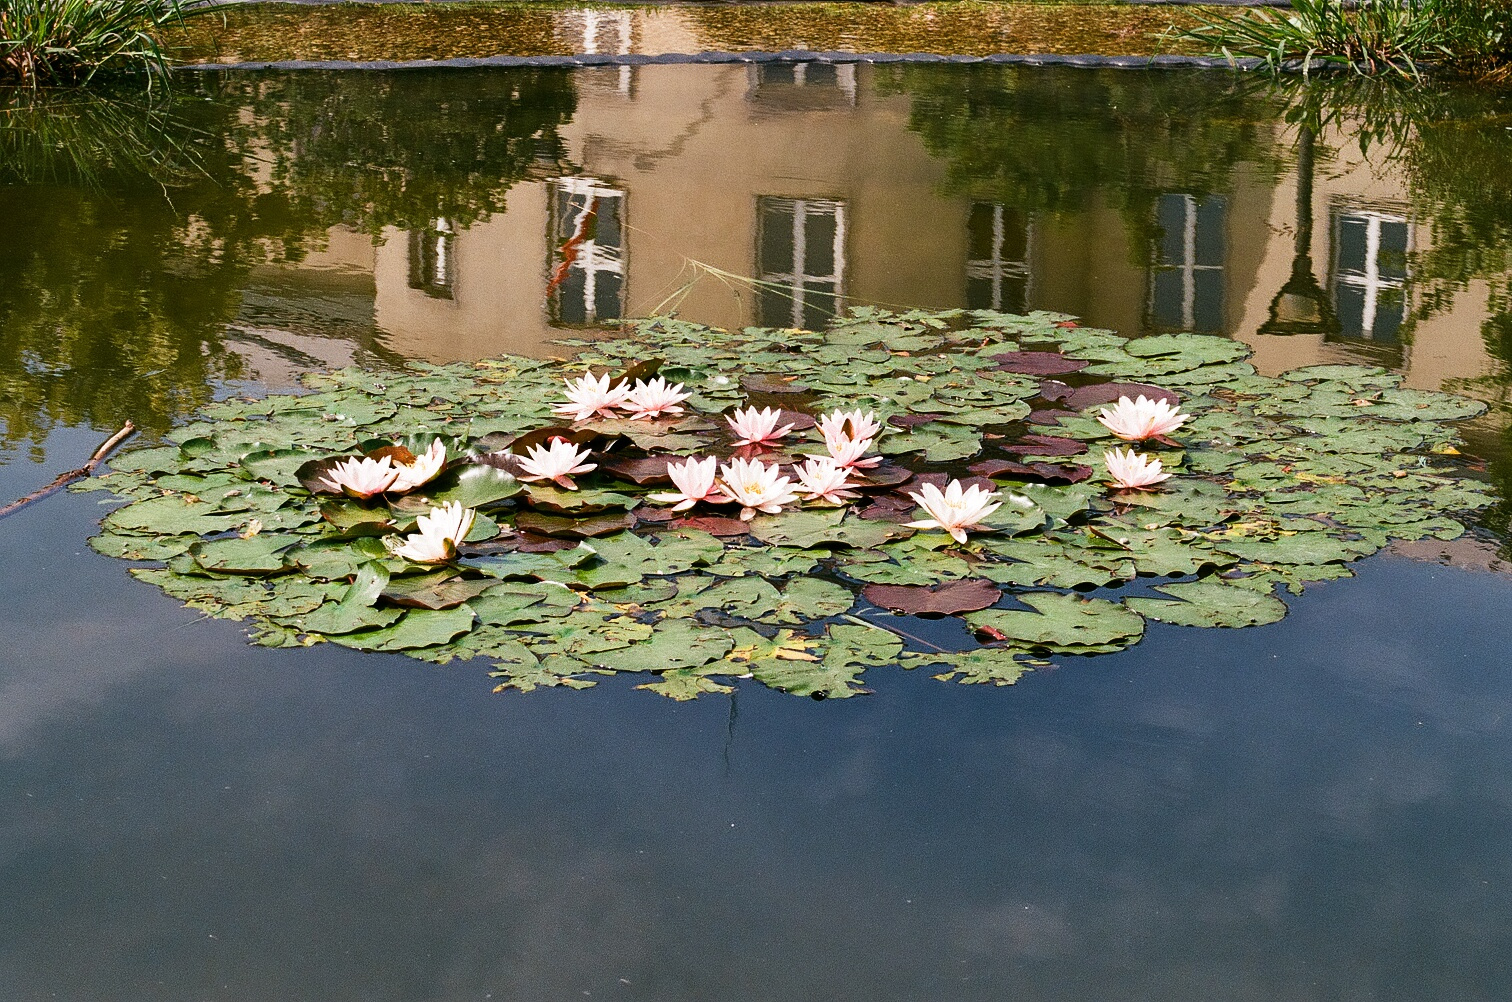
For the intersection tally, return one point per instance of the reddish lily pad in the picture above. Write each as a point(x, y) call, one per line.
point(1039, 363)
point(573, 528)
point(1048, 416)
point(947, 599)
point(715, 526)
point(1083, 397)
point(1046, 445)
point(1067, 473)
point(648, 470)
point(911, 420)
point(762, 382)
point(886, 475)
point(889, 508)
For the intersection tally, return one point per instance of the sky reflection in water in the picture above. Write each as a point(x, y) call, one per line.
point(1312, 810)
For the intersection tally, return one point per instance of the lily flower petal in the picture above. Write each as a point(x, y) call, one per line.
point(1137, 420)
point(423, 470)
point(757, 427)
point(588, 397)
point(558, 463)
point(756, 486)
point(1131, 470)
point(954, 509)
point(655, 398)
point(437, 535)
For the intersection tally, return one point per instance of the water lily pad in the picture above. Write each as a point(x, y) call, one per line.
point(1062, 622)
point(1209, 603)
point(938, 600)
point(416, 628)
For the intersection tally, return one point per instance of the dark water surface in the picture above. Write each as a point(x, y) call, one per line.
point(1318, 809)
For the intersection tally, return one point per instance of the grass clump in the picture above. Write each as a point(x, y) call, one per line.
point(48, 42)
point(1397, 37)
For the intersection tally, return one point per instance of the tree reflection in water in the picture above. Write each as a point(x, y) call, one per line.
point(134, 226)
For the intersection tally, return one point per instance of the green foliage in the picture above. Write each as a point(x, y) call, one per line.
point(133, 224)
point(51, 42)
point(1396, 37)
point(1280, 482)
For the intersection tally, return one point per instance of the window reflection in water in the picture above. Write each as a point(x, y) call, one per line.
point(997, 264)
point(432, 259)
point(802, 86)
point(600, 31)
point(800, 247)
point(587, 265)
point(1369, 273)
point(1186, 284)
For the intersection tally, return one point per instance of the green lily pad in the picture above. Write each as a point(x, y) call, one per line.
point(1209, 603)
point(1062, 622)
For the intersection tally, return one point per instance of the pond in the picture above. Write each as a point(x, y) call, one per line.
point(1316, 808)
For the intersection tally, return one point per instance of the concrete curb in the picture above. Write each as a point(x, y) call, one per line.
point(716, 58)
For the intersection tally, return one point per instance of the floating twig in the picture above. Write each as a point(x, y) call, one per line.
point(64, 479)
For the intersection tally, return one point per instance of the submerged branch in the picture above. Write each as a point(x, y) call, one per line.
point(64, 479)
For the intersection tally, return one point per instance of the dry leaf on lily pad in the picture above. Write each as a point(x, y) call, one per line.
point(934, 600)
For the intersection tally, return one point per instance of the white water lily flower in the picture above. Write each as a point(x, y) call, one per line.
point(1132, 470)
point(757, 487)
point(848, 424)
point(851, 452)
point(437, 534)
point(359, 477)
point(1137, 420)
point(557, 463)
point(823, 479)
point(653, 399)
point(757, 427)
point(423, 470)
point(954, 509)
point(588, 397)
point(694, 479)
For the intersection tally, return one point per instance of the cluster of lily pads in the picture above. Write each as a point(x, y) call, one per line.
point(469, 511)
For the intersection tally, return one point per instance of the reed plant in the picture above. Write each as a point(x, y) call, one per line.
point(51, 42)
point(1396, 37)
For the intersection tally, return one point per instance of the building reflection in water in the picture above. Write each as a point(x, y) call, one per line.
point(586, 271)
point(812, 182)
point(431, 259)
point(1369, 279)
point(997, 263)
point(800, 261)
point(1186, 281)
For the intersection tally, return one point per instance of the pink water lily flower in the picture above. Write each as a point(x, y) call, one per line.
point(423, 470)
point(851, 452)
point(588, 397)
point(694, 479)
point(558, 463)
point(437, 535)
point(1137, 420)
point(757, 427)
point(359, 477)
point(653, 399)
point(954, 509)
point(757, 487)
point(823, 479)
point(1131, 470)
point(849, 424)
